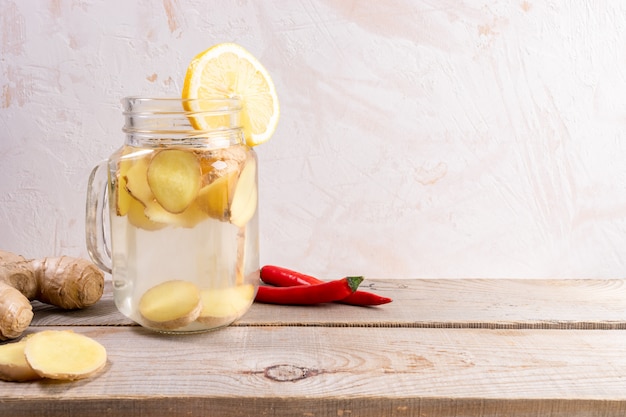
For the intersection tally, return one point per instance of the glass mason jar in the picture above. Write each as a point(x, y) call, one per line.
point(172, 215)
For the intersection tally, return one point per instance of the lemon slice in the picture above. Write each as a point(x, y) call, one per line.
point(227, 70)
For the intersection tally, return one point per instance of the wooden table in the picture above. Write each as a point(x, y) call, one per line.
point(442, 348)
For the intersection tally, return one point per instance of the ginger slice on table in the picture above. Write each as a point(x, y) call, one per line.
point(64, 354)
point(13, 364)
point(170, 305)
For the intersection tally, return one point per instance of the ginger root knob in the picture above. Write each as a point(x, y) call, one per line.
point(68, 283)
point(65, 282)
point(16, 312)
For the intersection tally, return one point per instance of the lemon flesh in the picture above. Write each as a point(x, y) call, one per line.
point(228, 70)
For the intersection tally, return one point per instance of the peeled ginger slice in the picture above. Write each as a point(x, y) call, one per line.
point(245, 196)
point(214, 197)
point(13, 364)
point(222, 306)
point(63, 354)
point(174, 178)
point(170, 305)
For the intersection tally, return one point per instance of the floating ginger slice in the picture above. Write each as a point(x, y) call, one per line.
point(63, 354)
point(243, 206)
point(136, 177)
point(214, 198)
point(13, 364)
point(137, 217)
point(145, 212)
point(220, 169)
point(136, 184)
point(170, 305)
point(222, 306)
point(188, 218)
point(174, 179)
point(219, 162)
point(124, 199)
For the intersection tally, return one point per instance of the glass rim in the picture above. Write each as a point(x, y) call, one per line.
point(233, 103)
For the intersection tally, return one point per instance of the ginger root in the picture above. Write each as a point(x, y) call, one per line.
point(65, 282)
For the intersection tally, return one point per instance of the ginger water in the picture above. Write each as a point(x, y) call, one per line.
point(184, 231)
point(182, 241)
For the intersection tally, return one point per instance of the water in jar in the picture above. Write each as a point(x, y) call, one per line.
point(184, 231)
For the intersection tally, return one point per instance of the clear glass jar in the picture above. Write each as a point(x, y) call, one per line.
point(180, 199)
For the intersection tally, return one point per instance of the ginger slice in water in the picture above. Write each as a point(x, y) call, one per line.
point(170, 305)
point(214, 198)
point(222, 306)
point(188, 218)
point(123, 199)
point(244, 202)
point(216, 163)
point(134, 177)
point(138, 218)
point(174, 178)
point(136, 180)
point(220, 169)
point(144, 211)
point(13, 364)
point(63, 354)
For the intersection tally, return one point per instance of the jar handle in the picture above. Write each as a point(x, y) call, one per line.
point(96, 218)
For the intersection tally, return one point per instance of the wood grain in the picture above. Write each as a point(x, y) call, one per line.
point(466, 303)
point(471, 348)
point(333, 370)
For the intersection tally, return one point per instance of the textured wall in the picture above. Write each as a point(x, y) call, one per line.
point(424, 138)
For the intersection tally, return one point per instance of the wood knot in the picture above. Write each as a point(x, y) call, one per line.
point(285, 373)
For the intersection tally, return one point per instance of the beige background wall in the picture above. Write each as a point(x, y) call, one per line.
point(481, 138)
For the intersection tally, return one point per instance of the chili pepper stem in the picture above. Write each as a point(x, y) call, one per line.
point(354, 282)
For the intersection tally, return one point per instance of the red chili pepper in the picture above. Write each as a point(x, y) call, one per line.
point(325, 292)
point(283, 277)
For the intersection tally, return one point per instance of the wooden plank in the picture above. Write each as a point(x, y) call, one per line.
point(458, 303)
point(305, 407)
point(334, 371)
point(103, 313)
